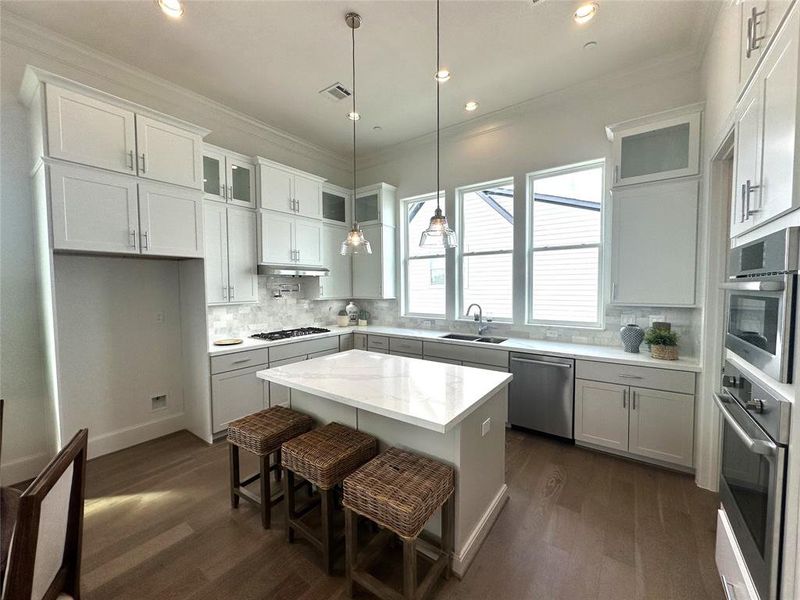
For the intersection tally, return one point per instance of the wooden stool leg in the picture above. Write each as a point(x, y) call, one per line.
point(278, 462)
point(448, 533)
point(327, 530)
point(266, 492)
point(409, 568)
point(351, 547)
point(288, 500)
point(234, 468)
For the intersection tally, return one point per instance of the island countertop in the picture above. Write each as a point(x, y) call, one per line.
point(432, 395)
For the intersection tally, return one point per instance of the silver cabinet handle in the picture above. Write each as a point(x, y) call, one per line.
point(298, 205)
point(224, 292)
point(223, 192)
point(755, 39)
point(542, 362)
point(750, 28)
point(614, 290)
point(144, 169)
point(231, 292)
point(743, 217)
point(132, 238)
point(616, 173)
point(298, 255)
point(729, 588)
point(626, 376)
point(625, 398)
point(145, 241)
point(633, 399)
point(131, 166)
point(749, 187)
point(230, 192)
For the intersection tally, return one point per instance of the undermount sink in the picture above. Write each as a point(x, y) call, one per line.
point(473, 338)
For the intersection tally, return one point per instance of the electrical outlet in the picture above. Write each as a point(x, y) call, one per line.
point(158, 402)
point(551, 335)
point(627, 318)
point(486, 426)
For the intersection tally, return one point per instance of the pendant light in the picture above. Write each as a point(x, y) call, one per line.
point(438, 234)
point(355, 242)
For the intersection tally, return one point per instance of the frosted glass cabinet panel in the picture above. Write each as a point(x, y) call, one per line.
point(659, 150)
point(367, 209)
point(335, 205)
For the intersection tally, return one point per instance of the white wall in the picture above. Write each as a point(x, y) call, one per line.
point(28, 440)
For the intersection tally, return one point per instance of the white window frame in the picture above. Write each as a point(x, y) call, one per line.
point(406, 257)
point(460, 254)
point(599, 323)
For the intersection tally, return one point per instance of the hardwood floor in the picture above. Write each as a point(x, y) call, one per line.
point(578, 525)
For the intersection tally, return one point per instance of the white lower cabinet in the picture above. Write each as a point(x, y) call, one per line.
point(601, 414)
point(230, 254)
point(289, 240)
point(280, 395)
point(98, 211)
point(236, 394)
point(652, 424)
point(360, 341)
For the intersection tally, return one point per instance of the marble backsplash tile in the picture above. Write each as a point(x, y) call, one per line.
point(294, 309)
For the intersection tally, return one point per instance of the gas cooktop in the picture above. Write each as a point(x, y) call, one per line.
point(284, 334)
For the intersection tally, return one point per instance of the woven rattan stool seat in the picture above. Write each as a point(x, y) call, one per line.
point(263, 432)
point(325, 456)
point(399, 490)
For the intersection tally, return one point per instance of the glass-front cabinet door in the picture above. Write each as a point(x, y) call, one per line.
point(241, 183)
point(335, 205)
point(656, 151)
point(367, 208)
point(214, 175)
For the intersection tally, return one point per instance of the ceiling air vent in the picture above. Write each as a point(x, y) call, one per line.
point(336, 92)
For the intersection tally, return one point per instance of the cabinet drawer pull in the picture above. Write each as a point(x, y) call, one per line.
point(224, 292)
point(241, 360)
point(230, 192)
point(625, 376)
point(231, 290)
point(633, 400)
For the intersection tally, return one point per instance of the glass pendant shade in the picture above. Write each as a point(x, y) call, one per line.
point(355, 242)
point(438, 234)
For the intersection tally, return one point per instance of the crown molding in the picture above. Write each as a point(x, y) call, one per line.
point(44, 42)
point(680, 63)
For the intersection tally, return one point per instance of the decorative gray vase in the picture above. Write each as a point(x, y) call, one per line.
point(632, 336)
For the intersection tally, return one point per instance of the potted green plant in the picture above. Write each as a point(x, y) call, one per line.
point(663, 343)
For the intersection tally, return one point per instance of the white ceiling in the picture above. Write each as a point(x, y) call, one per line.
point(270, 58)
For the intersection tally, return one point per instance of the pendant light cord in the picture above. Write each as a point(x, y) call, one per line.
point(438, 84)
point(353, 38)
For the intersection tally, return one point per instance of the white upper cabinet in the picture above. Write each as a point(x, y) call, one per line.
point(376, 204)
point(288, 190)
point(215, 231)
point(766, 135)
point(374, 274)
point(242, 255)
point(88, 131)
point(654, 244)
point(308, 241)
point(228, 177)
point(336, 205)
point(657, 147)
point(93, 211)
point(758, 22)
point(289, 240)
point(168, 153)
point(339, 282)
point(171, 221)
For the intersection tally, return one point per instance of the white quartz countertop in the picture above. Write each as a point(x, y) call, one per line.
point(431, 395)
point(612, 354)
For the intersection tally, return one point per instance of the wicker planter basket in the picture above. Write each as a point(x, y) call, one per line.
point(664, 352)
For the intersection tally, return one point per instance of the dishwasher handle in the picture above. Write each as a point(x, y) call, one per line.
point(542, 362)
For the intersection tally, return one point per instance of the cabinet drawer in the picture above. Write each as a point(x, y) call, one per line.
point(483, 356)
point(647, 377)
point(397, 345)
point(407, 355)
point(379, 342)
point(322, 353)
point(239, 360)
point(305, 347)
point(730, 563)
point(502, 369)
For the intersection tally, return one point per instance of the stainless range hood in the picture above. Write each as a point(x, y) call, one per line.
point(292, 271)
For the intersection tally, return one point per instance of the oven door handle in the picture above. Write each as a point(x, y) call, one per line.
point(753, 286)
point(764, 447)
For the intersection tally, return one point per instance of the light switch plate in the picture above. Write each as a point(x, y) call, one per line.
point(486, 426)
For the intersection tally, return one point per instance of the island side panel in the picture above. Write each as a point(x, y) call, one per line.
point(323, 410)
point(482, 490)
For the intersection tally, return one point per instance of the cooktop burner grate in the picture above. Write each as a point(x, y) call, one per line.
point(284, 334)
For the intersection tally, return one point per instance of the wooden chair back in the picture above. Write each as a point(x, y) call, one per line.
point(45, 556)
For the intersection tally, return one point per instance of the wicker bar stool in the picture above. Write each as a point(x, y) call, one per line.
point(399, 491)
point(262, 434)
point(324, 456)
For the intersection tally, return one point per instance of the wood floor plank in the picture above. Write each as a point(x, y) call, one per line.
point(578, 525)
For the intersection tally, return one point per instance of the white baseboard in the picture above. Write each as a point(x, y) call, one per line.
point(24, 468)
point(135, 434)
point(463, 559)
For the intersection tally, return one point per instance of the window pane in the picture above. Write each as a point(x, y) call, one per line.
point(487, 281)
point(489, 219)
point(565, 285)
point(566, 208)
point(426, 286)
point(418, 215)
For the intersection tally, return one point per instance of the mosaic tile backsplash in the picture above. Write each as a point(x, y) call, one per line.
point(294, 309)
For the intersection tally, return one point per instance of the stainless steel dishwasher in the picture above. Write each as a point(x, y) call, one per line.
point(542, 394)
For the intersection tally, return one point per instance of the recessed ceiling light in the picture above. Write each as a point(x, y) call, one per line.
point(585, 13)
point(471, 106)
point(171, 8)
point(442, 75)
point(590, 45)
point(353, 116)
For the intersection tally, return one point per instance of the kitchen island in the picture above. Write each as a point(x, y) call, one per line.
point(448, 412)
